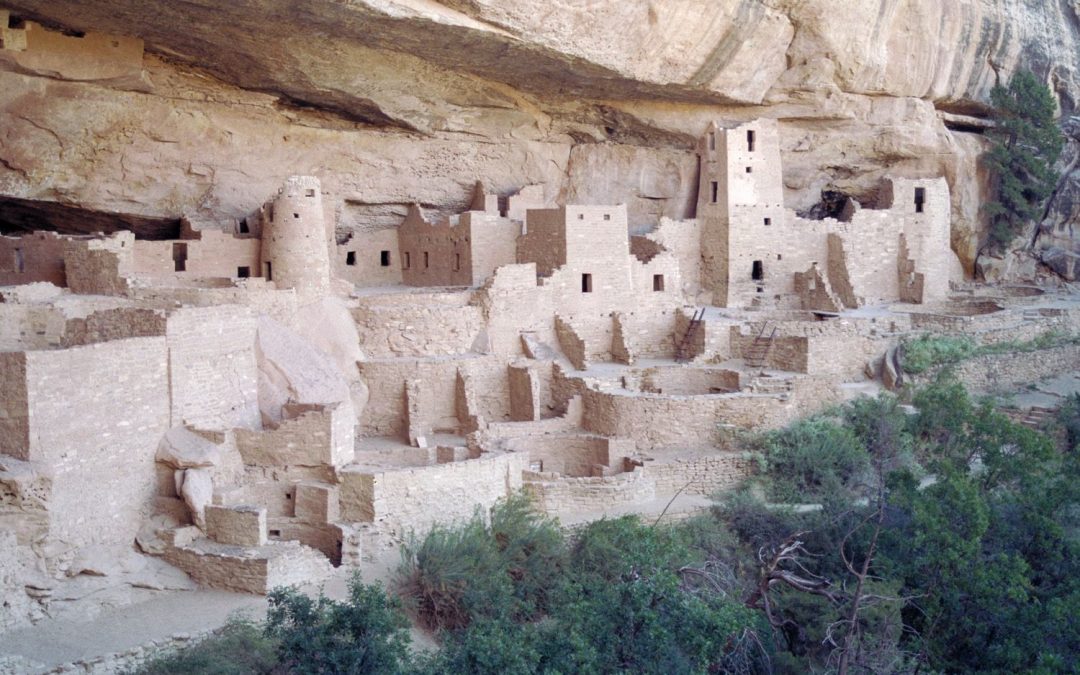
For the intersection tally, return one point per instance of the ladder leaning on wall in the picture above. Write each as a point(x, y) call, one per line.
point(759, 348)
point(682, 353)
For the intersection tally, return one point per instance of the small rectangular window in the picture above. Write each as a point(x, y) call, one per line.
point(586, 283)
point(296, 215)
point(457, 262)
point(712, 140)
point(768, 221)
point(310, 192)
point(749, 169)
point(408, 260)
point(20, 263)
point(243, 272)
point(607, 216)
point(276, 534)
point(350, 258)
point(426, 260)
point(658, 282)
point(750, 141)
point(179, 256)
point(269, 272)
point(384, 258)
point(244, 229)
point(757, 271)
point(920, 199)
point(581, 216)
point(715, 188)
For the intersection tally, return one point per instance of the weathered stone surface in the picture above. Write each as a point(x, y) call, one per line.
point(292, 370)
point(600, 101)
point(182, 448)
point(198, 492)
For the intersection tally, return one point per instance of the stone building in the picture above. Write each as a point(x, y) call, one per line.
point(254, 405)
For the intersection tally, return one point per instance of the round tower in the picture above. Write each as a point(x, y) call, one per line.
point(295, 247)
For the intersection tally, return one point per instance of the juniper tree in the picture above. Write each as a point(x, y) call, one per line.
point(1027, 143)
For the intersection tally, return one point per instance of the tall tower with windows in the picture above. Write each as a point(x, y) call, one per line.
point(295, 248)
point(741, 210)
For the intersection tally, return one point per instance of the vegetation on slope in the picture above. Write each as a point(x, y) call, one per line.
point(1027, 144)
point(940, 541)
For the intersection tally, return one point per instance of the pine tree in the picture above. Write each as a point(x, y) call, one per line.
point(1027, 143)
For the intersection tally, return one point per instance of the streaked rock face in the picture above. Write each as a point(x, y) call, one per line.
point(390, 102)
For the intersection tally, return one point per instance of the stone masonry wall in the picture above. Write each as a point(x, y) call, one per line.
point(212, 369)
point(418, 497)
point(96, 416)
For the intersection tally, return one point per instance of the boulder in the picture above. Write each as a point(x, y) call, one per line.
point(292, 370)
point(181, 448)
point(197, 491)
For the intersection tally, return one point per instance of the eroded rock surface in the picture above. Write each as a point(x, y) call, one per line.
point(395, 101)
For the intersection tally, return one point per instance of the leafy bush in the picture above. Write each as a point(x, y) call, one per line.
point(368, 633)
point(239, 648)
point(812, 460)
point(927, 351)
point(455, 575)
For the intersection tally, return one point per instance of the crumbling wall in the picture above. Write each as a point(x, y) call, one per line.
point(99, 265)
point(214, 254)
point(317, 436)
point(35, 256)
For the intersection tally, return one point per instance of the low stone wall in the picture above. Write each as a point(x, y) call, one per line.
point(658, 421)
point(699, 474)
point(416, 498)
point(248, 570)
point(1004, 372)
point(558, 495)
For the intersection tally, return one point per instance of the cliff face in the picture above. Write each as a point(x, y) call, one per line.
point(395, 101)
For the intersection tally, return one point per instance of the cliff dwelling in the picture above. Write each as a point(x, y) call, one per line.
point(251, 395)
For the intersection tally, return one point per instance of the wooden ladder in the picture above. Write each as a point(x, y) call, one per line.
point(759, 348)
point(682, 353)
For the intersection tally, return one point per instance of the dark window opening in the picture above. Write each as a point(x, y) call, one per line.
point(269, 272)
point(15, 21)
point(607, 216)
point(750, 141)
point(749, 169)
point(384, 258)
point(920, 199)
point(296, 215)
point(426, 260)
point(715, 191)
point(712, 140)
point(457, 262)
point(779, 256)
point(243, 272)
point(408, 260)
point(586, 283)
point(768, 221)
point(275, 533)
point(581, 216)
point(310, 192)
point(658, 282)
point(244, 229)
point(20, 263)
point(179, 256)
point(350, 258)
point(757, 272)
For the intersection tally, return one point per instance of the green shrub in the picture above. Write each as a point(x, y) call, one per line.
point(239, 648)
point(457, 574)
point(813, 460)
point(368, 633)
point(927, 351)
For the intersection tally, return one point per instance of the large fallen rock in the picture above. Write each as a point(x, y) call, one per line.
point(182, 448)
point(198, 491)
point(292, 370)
